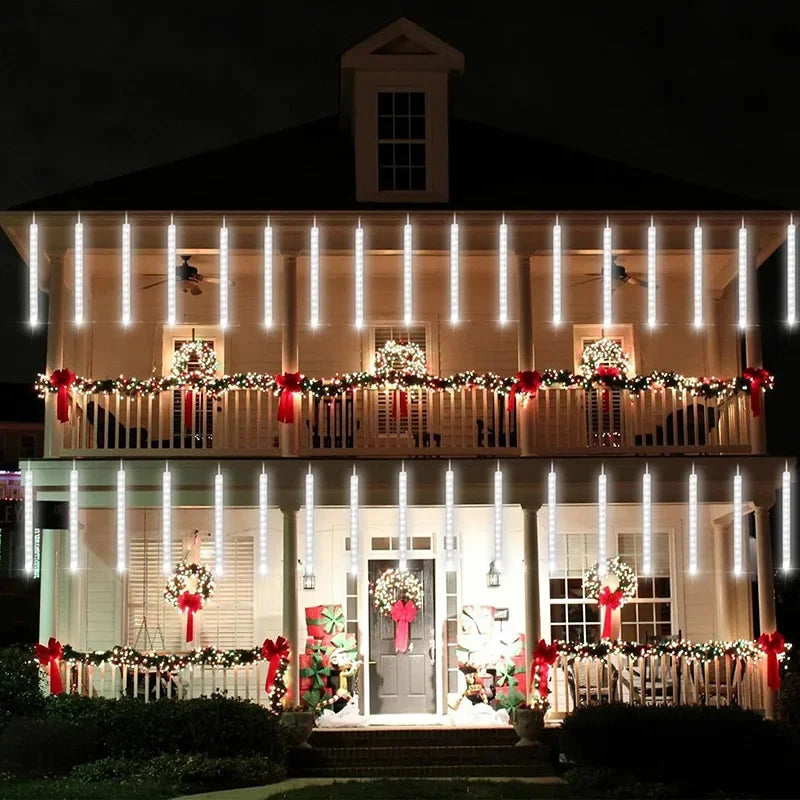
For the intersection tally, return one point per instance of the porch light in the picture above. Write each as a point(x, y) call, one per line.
point(126, 272)
point(556, 273)
point(698, 275)
point(309, 580)
point(502, 272)
point(268, 251)
point(166, 521)
point(33, 274)
point(263, 511)
point(121, 533)
point(358, 266)
point(223, 275)
point(786, 518)
point(73, 519)
point(493, 576)
point(408, 313)
point(308, 564)
point(791, 267)
point(737, 523)
point(742, 277)
point(28, 518)
point(608, 263)
point(171, 280)
point(219, 523)
point(314, 275)
point(651, 274)
point(78, 272)
point(454, 298)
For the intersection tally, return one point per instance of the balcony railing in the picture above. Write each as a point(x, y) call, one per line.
point(365, 422)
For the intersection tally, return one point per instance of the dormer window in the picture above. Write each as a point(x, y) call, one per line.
point(401, 141)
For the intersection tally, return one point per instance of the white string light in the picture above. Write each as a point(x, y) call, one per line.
point(223, 275)
point(698, 275)
point(454, 287)
point(121, 544)
point(33, 273)
point(742, 276)
point(314, 275)
point(78, 275)
point(556, 273)
point(268, 250)
point(171, 280)
point(263, 516)
point(219, 522)
point(73, 519)
point(602, 518)
point(28, 518)
point(551, 519)
point(449, 519)
point(126, 272)
point(737, 523)
point(402, 519)
point(408, 313)
point(498, 519)
point(786, 518)
point(647, 530)
point(651, 274)
point(692, 522)
point(358, 265)
point(608, 263)
point(308, 563)
point(354, 544)
point(502, 272)
point(166, 520)
point(791, 268)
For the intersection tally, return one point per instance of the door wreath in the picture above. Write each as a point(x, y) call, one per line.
point(398, 594)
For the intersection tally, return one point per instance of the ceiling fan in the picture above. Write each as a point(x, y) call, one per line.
point(618, 275)
point(186, 275)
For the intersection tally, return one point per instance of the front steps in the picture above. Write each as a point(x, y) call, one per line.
point(412, 752)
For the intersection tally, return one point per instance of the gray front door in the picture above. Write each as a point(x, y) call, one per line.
point(403, 683)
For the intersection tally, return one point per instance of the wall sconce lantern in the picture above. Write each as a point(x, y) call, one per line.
point(309, 580)
point(492, 577)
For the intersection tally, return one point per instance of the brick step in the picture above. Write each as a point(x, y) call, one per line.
point(534, 770)
point(422, 756)
point(402, 737)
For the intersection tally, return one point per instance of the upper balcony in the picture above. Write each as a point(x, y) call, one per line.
point(481, 301)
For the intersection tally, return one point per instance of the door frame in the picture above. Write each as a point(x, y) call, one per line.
point(439, 615)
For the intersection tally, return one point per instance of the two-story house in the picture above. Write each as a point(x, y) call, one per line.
point(396, 316)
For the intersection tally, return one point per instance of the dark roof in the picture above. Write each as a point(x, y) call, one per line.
point(19, 402)
point(310, 168)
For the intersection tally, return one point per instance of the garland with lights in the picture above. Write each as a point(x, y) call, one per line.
point(604, 353)
point(400, 359)
point(195, 351)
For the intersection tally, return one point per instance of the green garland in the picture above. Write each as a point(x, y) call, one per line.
point(702, 652)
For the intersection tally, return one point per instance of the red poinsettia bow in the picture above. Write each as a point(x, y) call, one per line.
point(527, 383)
point(609, 601)
point(757, 378)
point(604, 371)
point(772, 644)
point(62, 379)
point(290, 383)
point(403, 614)
point(274, 653)
point(191, 604)
point(48, 656)
point(544, 656)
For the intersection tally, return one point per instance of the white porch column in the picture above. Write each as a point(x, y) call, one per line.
point(533, 620)
point(723, 589)
point(55, 344)
point(752, 342)
point(290, 600)
point(525, 356)
point(712, 335)
point(289, 348)
point(766, 591)
point(48, 584)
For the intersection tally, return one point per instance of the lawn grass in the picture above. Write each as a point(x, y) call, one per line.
point(72, 789)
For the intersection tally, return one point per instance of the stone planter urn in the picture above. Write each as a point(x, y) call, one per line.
point(298, 726)
point(528, 725)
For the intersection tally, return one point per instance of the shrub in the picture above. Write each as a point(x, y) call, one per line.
point(788, 701)
point(20, 690)
point(33, 747)
point(694, 747)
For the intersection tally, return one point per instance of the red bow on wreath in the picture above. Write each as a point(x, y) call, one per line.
point(609, 601)
point(62, 379)
point(403, 614)
point(290, 383)
point(399, 403)
point(607, 372)
point(191, 604)
point(756, 377)
point(772, 644)
point(527, 383)
point(274, 653)
point(48, 656)
point(544, 656)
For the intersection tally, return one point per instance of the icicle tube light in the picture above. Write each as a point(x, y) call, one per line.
point(552, 531)
point(498, 520)
point(454, 278)
point(121, 533)
point(647, 530)
point(308, 562)
point(171, 279)
point(791, 271)
point(502, 274)
point(33, 273)
point(602, 518)
point(354, 543)
point(219, 524)
point(359, 277)
point(742, 277)
point(28, 519)
point(556, 274)
point(78, 273)
point(263, 516)
point(402, 520)
point(408, 312)
point(692, 522)
point(223, 276)
point(314, 276)
point(651, 275)
point(126, 273)
point(73, 520)
point(786, 519)
point(737, 524)
point(608, 264)
point(268, 253)
point(698, 276)
point(166, 521)
point(449, 520)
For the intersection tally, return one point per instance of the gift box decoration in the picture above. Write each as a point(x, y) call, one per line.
point(477, 620)
point(325, 620)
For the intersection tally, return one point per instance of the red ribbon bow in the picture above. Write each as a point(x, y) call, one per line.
point(274, 653)
point(399, 403)
point(403, 614)
point(48, 656)
point(544, 656)
point(191, 604)
point(62, 379)
point(188, 408)
point(289, 383)
point(527, 382)
point(610, 602)
point(606, 372)
point(756, 377)
point(772, 644)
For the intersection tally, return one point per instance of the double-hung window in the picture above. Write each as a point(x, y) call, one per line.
point(401, 142)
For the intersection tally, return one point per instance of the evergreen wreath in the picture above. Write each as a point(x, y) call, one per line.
point(393, 585)
point(178, 582)
point(604, 352)
point(195, 350)
point(400, 359)
point(593, 583)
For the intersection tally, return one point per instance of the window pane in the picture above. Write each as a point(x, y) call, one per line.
point(645, 612)
point(557, 613)
point(661, 587)
point(386, 179)
point(662, 612)
point(401, 154)
point(592, 612)
point(418, 155)
point(557, 588)
point(574, 587)
point(417, 101)
point(575, 612)
point(385, 128)
point(385, 155)
point(628, 612)
point(645, 587)
point(558, 632)
point(629, 633)
point(592, 633)
point(385, 103)
point(401, 103)
point(418, 178)
point(401, 128)
point(417, 128)
point(401, 179)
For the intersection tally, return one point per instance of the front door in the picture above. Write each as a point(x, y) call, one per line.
point(403, 683)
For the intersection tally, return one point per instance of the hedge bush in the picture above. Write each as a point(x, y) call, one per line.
point(695, 747)
point(20, 691)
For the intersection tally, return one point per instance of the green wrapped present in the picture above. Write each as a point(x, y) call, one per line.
point(345, 642)
point(314, 672)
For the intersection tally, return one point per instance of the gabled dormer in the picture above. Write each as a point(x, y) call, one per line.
point(394, 102)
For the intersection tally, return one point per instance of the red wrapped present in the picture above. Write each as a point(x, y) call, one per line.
point(325, 620)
